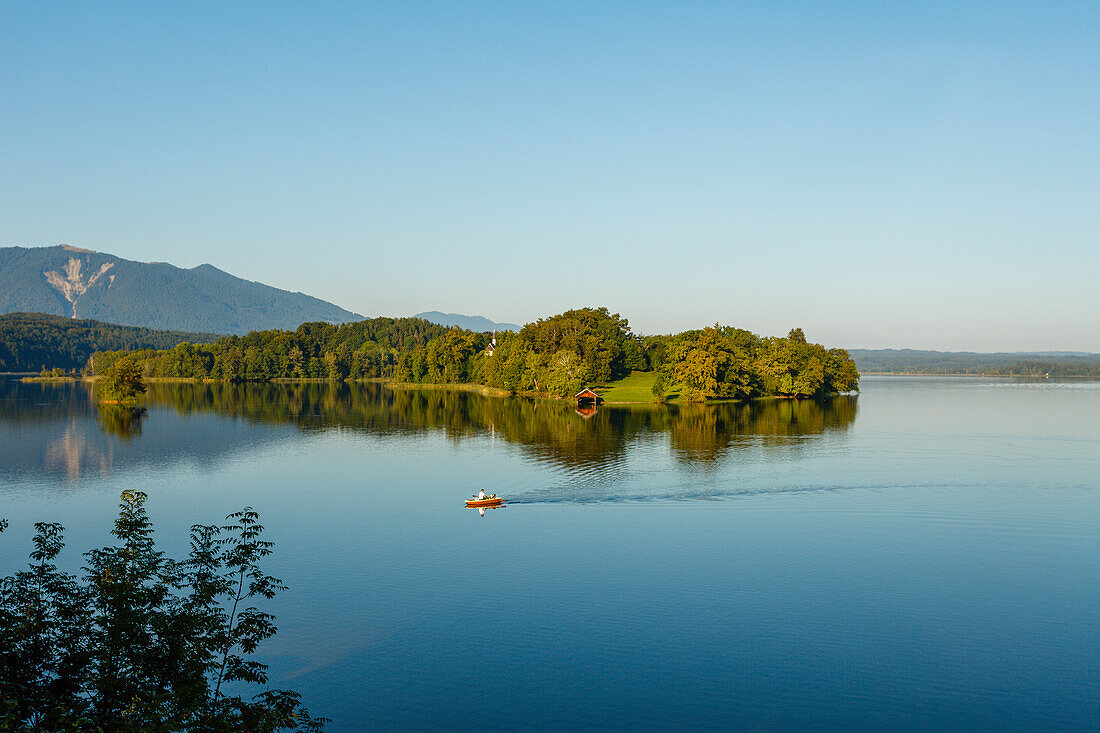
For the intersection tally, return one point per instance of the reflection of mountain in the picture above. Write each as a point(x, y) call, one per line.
point(71, 453)
point(56, 429)
point(57, 426)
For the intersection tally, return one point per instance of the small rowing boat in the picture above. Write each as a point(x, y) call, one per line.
point(490, 500)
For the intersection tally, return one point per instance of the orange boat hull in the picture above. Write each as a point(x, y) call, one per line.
point(484, 502)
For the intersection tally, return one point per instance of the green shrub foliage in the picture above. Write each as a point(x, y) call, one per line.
point(142, 642)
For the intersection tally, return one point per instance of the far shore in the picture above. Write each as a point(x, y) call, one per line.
point(972, 374)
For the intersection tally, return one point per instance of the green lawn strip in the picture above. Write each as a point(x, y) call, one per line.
point(638, 387)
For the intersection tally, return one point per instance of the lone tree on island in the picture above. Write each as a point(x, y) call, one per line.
point(123, 382)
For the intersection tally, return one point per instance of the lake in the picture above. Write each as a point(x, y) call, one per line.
point(922, 556)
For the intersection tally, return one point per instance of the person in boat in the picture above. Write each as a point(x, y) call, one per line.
point(481, 494)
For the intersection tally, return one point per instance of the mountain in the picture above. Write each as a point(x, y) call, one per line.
point(33, 341)
point(470, 323)
point(78, 283)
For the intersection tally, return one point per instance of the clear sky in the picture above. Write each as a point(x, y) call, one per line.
point(881, 174)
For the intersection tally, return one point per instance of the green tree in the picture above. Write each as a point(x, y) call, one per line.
point(123, 381)
point(142, 642)
point(660, 388)
point(565, 375)
point(700, 365)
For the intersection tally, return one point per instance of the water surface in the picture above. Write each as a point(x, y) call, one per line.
point(921, 556)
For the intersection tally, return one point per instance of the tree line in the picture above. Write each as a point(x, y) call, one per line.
point(1002, 364)
point(556, 356)
point(1031, 368)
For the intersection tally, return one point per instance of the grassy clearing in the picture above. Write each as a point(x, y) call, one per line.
point(638, 387)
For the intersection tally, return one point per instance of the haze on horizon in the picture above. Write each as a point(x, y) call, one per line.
point(881, 175)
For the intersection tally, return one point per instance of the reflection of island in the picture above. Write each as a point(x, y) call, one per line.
point(122, 422)
point(705, 433)
point(58, 425)
point(547, 430)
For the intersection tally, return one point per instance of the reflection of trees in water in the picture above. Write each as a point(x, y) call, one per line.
point(49, 402)
point(547, 430)
point(122, 422)
point(44, 424)
point(42, 401)
point(706, 432)
point(59, 428)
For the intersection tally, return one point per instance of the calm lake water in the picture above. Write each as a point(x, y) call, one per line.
point(923, 556)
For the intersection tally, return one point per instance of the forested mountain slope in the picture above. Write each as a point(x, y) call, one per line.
point(33, 341)
point(77, 283)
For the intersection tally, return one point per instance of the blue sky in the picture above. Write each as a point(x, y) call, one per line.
point(881, 174)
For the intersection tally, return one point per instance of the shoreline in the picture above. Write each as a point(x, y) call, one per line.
point(470, 387)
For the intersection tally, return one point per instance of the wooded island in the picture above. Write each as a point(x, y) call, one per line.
point(555, 356)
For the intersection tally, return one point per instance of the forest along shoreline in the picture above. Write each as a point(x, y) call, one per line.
point(552, 357)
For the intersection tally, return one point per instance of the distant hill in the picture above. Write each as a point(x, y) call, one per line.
point(914, 361)
point(77, 283)
point(31, 341)
point(470, 323)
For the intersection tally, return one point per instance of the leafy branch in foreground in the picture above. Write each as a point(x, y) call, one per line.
point(141, 641)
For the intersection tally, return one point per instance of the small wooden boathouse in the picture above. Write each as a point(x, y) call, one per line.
point(587, 397)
